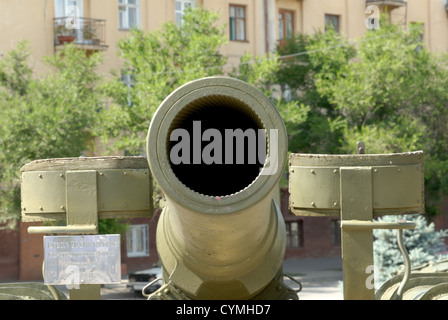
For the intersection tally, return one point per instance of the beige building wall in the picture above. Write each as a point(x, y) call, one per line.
point(27, 20)
point(33, 20)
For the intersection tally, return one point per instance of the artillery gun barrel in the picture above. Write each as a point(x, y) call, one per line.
point(221, 235)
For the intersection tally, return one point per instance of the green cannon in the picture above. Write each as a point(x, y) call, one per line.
point(216, 147)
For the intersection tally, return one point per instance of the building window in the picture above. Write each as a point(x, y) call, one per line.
point(332, 21)
point(179, 9)
point(137, 240)
point(237, 22)
point(128, 80)
point(128, 14)
point(294, 234)
point(336, 232)
point(285, 24)
point(68, 8)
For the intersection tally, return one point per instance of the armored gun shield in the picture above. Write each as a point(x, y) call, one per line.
point(217, 148)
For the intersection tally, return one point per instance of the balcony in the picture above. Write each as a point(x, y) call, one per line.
point(87, 33)
point(387, 4)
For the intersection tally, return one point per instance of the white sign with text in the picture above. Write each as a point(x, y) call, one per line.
point(88, 259)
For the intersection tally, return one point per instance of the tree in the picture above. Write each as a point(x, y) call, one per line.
point(423, 244)
point(386, 89)
point(48, 117)
point(157, 63)
point(298, 77)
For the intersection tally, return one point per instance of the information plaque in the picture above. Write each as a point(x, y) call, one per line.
point(87, 259)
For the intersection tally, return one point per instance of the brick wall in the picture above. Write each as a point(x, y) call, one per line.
point(141, 263)
point(316, 237)
point(9, 255)
point(31, 254)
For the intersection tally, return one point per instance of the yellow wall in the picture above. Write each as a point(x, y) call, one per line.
point(27, 20)
point(33, 20)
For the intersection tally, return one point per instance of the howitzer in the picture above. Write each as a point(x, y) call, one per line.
point(217, 147)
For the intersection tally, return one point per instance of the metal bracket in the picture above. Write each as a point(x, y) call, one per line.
point(400, 225)
point(81, 205)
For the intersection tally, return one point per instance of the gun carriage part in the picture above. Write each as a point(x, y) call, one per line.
point(82, 190)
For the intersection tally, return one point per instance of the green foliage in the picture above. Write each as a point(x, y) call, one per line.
point(385, 89)
point(158, 63)
point(423, 244)
point(43, 118)
point(112, 226)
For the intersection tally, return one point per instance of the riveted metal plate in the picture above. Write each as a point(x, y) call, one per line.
point(43, 195)
point(397, 183)
point(314, 188)
point(123, 186)
point(397, 187)
point(124, 192)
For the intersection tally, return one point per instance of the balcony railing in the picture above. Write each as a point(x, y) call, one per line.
point(87, 33)
point(387, 3)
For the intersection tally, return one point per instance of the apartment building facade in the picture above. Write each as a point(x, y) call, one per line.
point(254, 26)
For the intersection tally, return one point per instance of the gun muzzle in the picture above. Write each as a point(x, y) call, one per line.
point(217, 148)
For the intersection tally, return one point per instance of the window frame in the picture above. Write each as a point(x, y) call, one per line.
point(179, 13)
point(132, 239)
point(235, 24)
point(290, 236)
point(126, 23)
point(336, 234)
point(330, 19)
point(283, 12)
point(61, 8)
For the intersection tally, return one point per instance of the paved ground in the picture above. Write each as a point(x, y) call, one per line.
point(320, 279)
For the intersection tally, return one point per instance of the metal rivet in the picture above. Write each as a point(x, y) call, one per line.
point(41, 208)
point(24, 209)
point(313, 203)
point(398, 169)
point(40, 175)
point(375, 170)
point(61, 175)
point(124, 172)
point(335, 203)
point(62, 208)
point(335, 171)
point(312, 171)
point(101, 173)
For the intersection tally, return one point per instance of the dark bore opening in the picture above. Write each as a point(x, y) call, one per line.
point(220, 161)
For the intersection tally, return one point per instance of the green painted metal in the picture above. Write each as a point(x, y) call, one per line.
point(357, 188)
point(220, 246)
point(29, 291)
point(81, 190)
